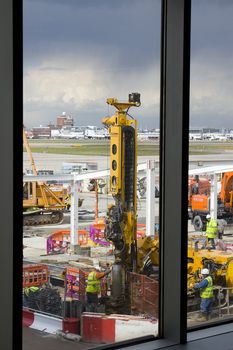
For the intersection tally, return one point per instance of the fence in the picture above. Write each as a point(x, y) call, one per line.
point(144, 292)
point(59, 241)
point(34, 275)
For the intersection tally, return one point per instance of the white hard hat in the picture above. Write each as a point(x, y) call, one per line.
point(208, 216)
point(97, 268)
point(205, 272)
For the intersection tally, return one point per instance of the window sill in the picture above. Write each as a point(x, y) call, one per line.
point(214, 338)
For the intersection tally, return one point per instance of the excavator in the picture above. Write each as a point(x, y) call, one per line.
point(142, 255)
point(41, 204)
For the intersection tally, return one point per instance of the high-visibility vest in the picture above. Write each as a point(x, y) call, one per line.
point(207, 292)
point(32, 289)
point(211, 228)
point(93, 284)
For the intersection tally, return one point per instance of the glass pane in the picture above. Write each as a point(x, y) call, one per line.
point(91, 135)
point(210, 250)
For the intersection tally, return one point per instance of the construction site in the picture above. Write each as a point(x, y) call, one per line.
point(91, 241)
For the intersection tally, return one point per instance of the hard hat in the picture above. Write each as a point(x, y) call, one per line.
point(208, 216)
point(205, 272)
point(97, 268)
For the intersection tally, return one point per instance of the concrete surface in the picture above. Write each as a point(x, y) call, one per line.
point(36, 340)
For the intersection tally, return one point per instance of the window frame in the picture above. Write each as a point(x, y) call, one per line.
point(175, 71)
point(174, 153)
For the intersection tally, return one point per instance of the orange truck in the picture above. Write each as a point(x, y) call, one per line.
point(200, 204)
point(197, 185)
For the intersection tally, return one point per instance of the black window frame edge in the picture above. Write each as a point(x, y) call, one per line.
point(11, 97)
point(11, 93)
point(6, 151)
point(174, 153)
point(17, 170)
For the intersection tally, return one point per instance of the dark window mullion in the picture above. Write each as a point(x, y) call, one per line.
point(174, 126)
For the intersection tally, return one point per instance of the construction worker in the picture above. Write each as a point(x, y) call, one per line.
point(93, 285)
point(211, 231)
point(31, 289)
point(206, 294)
point(26, 293)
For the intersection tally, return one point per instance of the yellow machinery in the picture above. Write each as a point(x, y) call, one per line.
point(220, 264)
point(142, 255)
point(41, 204)
point(121, 221)
point(148, 255)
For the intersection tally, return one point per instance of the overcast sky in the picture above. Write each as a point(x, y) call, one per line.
point(77, 53)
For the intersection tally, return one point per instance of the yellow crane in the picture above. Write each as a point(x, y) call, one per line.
point(41, 205)
point(121, 220)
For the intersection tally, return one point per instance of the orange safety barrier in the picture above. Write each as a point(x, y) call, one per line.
point(141, 232)
point(100, 221)
point(99, 225)
point(64, 236)
point(83, 237)
point(76, 283)
point(99, 230)
point(74, 271)
point(35, 275)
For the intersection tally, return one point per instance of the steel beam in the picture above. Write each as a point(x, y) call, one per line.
point(74, 217)
point(74, 176)
point(150, 198)
point(105, 173)
point(213, 197)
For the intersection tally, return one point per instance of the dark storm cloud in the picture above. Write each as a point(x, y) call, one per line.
point(92, 28)
point(212, 27)
point(212, 63)
point(78, 52)
point(71, 46)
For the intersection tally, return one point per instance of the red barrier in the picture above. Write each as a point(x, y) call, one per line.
point(71, 325)
point(28, 318)
point(97, 329)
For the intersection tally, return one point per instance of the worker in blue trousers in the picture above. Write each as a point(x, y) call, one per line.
point(206, 294)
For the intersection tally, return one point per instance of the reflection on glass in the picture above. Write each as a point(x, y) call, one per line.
point(210, 195)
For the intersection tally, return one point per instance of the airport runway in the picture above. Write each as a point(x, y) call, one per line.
point(46, 161)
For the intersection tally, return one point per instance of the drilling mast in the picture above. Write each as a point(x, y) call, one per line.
point(121, 220)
